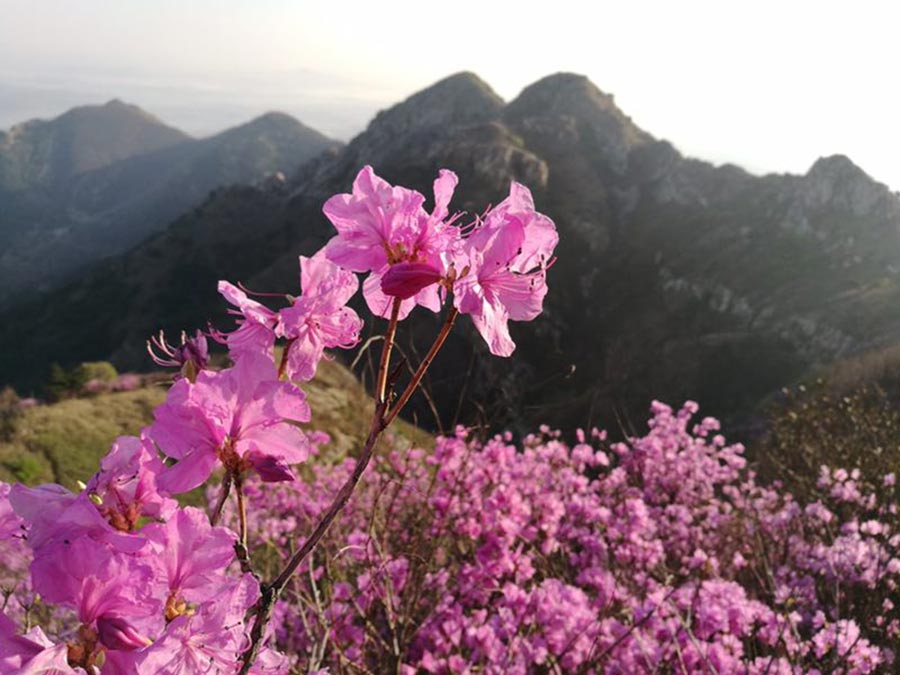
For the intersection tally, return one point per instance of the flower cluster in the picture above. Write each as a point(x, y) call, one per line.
point(120, 577)
point(495, 267)
point(128, 596)
point(661, 553)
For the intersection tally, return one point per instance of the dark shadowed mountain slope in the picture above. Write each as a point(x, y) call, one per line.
point(675, 279)
point(51, 228)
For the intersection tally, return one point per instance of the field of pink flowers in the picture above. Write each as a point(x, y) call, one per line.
point(662, 553)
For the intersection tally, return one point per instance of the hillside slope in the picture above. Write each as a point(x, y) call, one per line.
point(676, 278)
point(63, 442)
point(98, 180)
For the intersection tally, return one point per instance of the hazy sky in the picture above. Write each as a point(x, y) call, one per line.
point(767, 85)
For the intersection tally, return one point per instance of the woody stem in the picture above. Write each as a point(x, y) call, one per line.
point(240, 547)
point(226, 489)
point(381, 386)
point(283, 363)
point(423, 367)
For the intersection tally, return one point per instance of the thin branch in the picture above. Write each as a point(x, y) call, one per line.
point(420, 371)
point(240, 546)
point(386, 352)
point(464, 391)
point(364, 349)
point(283, 364)
point(226, 489)
point(631, 629)
point(271, 592)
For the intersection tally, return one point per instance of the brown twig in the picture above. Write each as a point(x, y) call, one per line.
point(226, 489)
point(283, 363)
point(381, 385)
point(240, 546)
point(420, 371)
point(271, 592)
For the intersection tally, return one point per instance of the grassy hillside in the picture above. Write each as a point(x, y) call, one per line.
point(64, 442)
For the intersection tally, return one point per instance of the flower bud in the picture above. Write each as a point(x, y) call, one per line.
point(405, 279)
point(116, 633)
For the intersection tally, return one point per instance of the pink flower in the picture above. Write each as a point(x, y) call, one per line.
point(236, 417)
point(208, 641)
point(503, 268)
point(256, 324)
point(53, 514)
point(110, 592)
point(126, 487)
point(30, 653)
point(379, 302)
point(404, 280)
point(319, 319)
point(192, 354)
point(380, 225)
point(193, 556)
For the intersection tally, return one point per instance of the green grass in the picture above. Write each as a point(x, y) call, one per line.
point(63, 442)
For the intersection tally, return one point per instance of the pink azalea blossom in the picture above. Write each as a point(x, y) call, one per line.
point(236, 417)
point(126, 486)
point(193, 556)
point(111, 592)
point(256, 324)
point(30, 653)
point(379, 302)
point(502, 272)
point(380, 225)
point(405, 279)
point(208, 641)
point(319, 318)
point(52, 514)
point(192, 353)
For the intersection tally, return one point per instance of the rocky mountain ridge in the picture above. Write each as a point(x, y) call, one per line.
point(676, 278)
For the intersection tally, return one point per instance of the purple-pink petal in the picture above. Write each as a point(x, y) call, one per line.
point(404, 280)
point(444, 186)
point(194, 555)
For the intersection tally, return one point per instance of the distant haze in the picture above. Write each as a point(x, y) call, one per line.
point(767, 85)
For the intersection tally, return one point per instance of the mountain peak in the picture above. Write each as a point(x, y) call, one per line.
point(567, 110)
point(458, 100)
point(835, 166)
point(275, 117)
point(82, 139)
point(272, 120)
point(564, 92)
point(273, 128)
point(835, 181)
point(115, 110)
point(463, 84)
